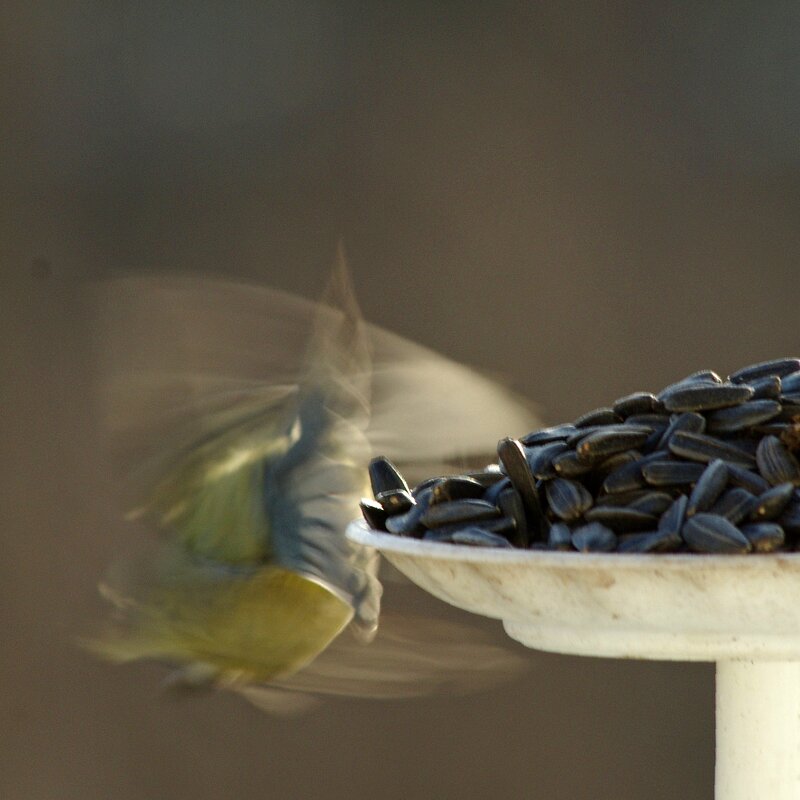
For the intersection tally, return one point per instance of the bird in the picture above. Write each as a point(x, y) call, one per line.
point(243, 419)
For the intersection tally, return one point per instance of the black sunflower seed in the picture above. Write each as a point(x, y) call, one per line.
point(384, 476)
point(671, 473)
point(651, 421)
point(626, 478)
point(768, 388)
point(621, 519)
point(689, 422)
point(600, 416)
point(655, 503)
point(395, 501)
point(567, 499)
point(790, 384)
point(598, 446)
point(458, 511)
point(737, 418)
point(636, 403)
point(764, 537)
point(455, 488)
point(495, 490)
point(486, 477)
point(559, 536)
point(410, 522)
point(703, 376)
point(373, 513)
point(608, 465)
point(709, 533)
point(671, 521)
point(650, 542)
point(512, 455)
point(567, 465)
point(765, 369)
point(735, 505)
point(510, 504)
point(443, 533)
point(709, 487)
point(700, 447)
point(772, 503)
point(703, 396)
point(594, 538)
point(746, 479)
point(541, 458)
point(478, 537)
point(775, 463)
point(557, 433)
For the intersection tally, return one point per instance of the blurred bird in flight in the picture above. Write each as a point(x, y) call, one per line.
point(244, 419)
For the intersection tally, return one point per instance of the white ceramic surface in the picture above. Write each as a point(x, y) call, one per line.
point(673, 607)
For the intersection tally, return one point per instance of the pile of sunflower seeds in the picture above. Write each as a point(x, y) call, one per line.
point(705, 466)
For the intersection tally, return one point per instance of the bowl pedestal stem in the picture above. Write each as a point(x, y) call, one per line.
point(758, 730)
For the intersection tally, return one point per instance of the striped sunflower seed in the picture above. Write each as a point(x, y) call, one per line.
point(708, 488)
point(492, 494)
point(703, 376)
point(702, 396)
point(650, 542)
point(442, 533)
point(768, 388)
point(636, 403)
point(709, 533)
point(541, 458)
point(764, 537)
point(458, 511)
point(621, 519)
point(746, 479)
point(568, 465)
point(775, 463)
point(655, 503)
point(600, 416)
point(671, 473)
point(700, 447)
point(671, 521)
point(765, 369)
point(598, 446)
point(557, 433)
point(594, 538)
point(735, 505)
point(790, 384)
point(737, 418)
point(567, 499)
point(478, 537)
point(772, 503)
point(688, 422)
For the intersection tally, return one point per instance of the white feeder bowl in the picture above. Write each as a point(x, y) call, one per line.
point(742, 612)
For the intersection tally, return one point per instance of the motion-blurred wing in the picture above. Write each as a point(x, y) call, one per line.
point(173, 348)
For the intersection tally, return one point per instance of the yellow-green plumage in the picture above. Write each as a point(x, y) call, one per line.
point(255, 627)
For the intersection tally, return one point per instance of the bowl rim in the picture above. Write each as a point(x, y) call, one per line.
point(358, 531)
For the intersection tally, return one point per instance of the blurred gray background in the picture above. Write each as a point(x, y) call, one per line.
point(587, 199)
